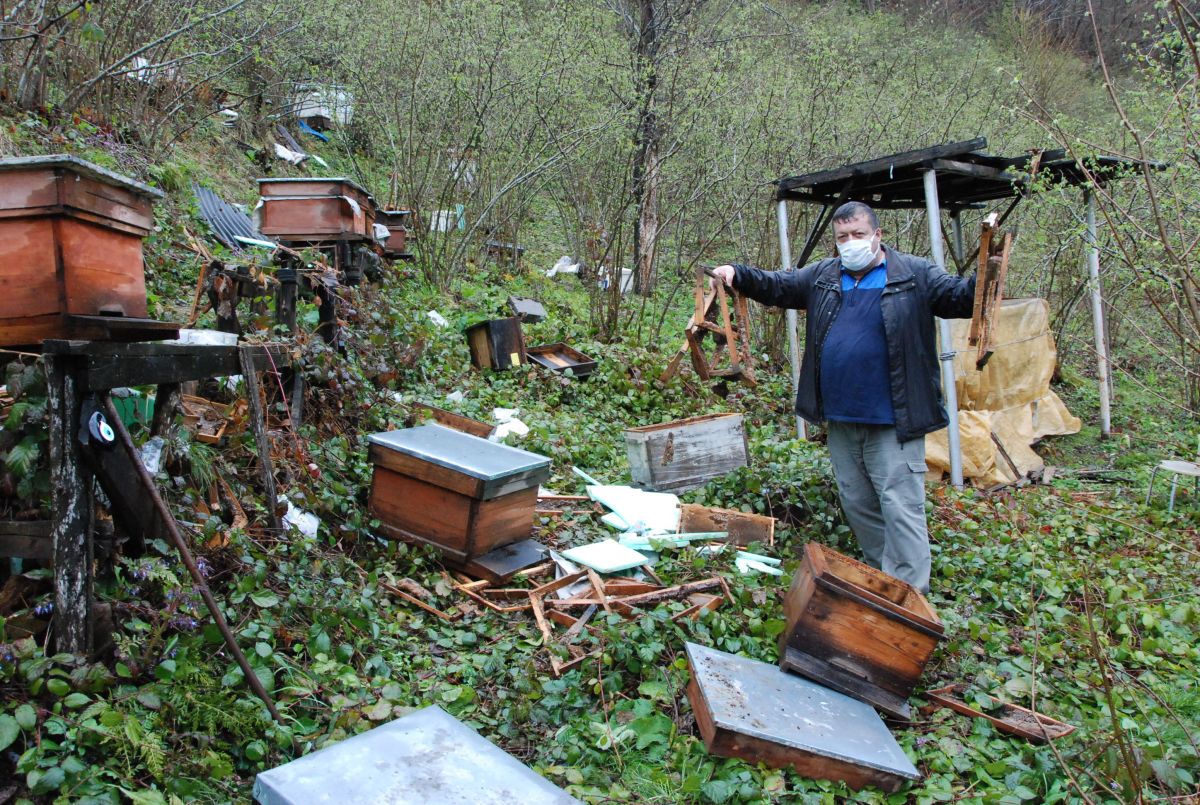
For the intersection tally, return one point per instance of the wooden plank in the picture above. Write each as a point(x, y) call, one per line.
point(743, 527)
point(1010, 718)
point(258, 425)
point(986, 230)
point(421, 411)
point(993, 296)
point(70, 483)
point(27, 539)
point(888, 163)
point(412, 599)
point(132, 510)
point(110, 365)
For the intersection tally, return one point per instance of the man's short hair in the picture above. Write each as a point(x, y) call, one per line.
point(854, 209)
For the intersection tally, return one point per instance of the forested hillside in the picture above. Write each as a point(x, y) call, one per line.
point(636, 135)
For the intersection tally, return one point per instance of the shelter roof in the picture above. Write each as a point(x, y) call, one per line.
point(967, 177)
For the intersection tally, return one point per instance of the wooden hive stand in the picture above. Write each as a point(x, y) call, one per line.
point(730, 335)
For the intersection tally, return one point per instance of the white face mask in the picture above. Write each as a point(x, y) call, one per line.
point(857, 254)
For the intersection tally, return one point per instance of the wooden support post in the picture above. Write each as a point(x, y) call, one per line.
point(166, 400)
point(285, 298)
point(71, 485)
point(297, 410)
point(259, 425)
point(327, 314)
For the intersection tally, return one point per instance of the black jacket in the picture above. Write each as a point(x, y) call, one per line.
point(916, 291)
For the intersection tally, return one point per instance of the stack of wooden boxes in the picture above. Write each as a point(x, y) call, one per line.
point(396, 221)
point(71, 253)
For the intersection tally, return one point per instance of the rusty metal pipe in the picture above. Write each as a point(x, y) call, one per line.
point(114, 419)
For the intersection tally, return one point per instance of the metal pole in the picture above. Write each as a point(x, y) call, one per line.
point(934, 213)
point(956, 234)
point(1098, 315)
point(785, 252)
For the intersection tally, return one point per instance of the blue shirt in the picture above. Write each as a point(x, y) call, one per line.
point(855, 382)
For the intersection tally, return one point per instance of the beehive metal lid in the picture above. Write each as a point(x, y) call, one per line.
point(427, 757)
point(82, 167)
point(760, 700)
point(461, 452)
point(309, 179)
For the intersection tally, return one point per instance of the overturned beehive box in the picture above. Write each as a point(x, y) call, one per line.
point(497, 344)
point(306, 210)
point(857, 630)
point(463, 495)
point(682, 455)
point(71, 252)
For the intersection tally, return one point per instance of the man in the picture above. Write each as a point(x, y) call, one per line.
point(870, 372)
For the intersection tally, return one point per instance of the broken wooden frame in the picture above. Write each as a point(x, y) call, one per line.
point(622, 595)
point(994, 250)
point(730, 336)
point(1008, 717)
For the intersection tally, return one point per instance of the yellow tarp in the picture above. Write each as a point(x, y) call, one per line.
point(1009, 405)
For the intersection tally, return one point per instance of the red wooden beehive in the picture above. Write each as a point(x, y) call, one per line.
point(71, 252)
point(314, 210)
point(397, 223)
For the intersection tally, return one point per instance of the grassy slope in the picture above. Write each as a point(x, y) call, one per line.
point(1023, 581)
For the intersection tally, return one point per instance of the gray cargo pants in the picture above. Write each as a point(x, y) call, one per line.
point(881, 482)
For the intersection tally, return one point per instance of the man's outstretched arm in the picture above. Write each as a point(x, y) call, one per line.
point(787, 289)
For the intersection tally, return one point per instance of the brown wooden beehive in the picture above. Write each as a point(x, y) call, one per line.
point(303, 210)
point(497, 344)
point(464, 495)
point(71, 252)
point(396, 221)
point(857, 630)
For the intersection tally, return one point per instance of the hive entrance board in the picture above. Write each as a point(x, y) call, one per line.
point(994, 250)
point(718, 343)
point(752, 710)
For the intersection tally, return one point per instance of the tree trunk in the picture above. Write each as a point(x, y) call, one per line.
point(645, 166)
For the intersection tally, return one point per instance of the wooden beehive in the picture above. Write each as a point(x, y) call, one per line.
point(682, 455)
point(560, 357)
point(497, 344)
point(857, 630)
point(71, 252)
point(464, 495)
point(396, 222)
point(315, 210)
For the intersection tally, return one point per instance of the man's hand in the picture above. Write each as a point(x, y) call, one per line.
point(725, 274)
